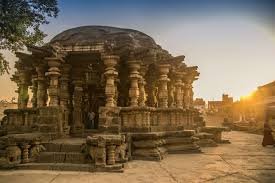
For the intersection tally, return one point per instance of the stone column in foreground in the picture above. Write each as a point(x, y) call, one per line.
point(77, 106)
point(23, 96)
point(53, 74)
point(65, 95)
point(41, 86)
point(110, 61)
point(163, 80)
point(134, 66)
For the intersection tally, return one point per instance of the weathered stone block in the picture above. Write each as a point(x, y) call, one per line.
point(148, 143)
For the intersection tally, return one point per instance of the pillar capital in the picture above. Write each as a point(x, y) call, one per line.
point(164, 69)
point(110, 61)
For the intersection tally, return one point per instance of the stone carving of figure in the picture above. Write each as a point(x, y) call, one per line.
point(36, 149)
point(121, 150)
point(13, 154)
point(100, 154)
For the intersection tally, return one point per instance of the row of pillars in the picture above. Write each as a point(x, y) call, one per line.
point(58, 89)
point(137, 94)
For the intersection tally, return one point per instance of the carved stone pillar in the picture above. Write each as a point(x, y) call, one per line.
point(23, 96)
point(111, 155)
point(142, 83)
point(178, 92)
point(100, 154)
point(116, 92)
point(163, 80)
point(25, 153)
point(171, 94)
point(65, 94)
point(77, 106)
point(111, 74)
point(41, 86)
point(187, 93)
point(53, 74)
point(64, 85)
point(134, 66)
point(34, 91)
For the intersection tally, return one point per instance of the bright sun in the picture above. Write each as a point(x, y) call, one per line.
point(246, 97)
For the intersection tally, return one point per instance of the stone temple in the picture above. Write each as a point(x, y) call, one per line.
point(140, 96)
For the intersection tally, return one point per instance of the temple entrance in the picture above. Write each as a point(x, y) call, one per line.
point(88, 88)
point(94, 100)
point(93, 94)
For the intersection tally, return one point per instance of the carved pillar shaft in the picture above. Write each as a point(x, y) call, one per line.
point(142, 83)
point(41, 86)
point(134, 66)
point(25, 153)
point(23, 96)
point(187, 94)
point(171, 92)
point(53, 74)
point(111, 155)
point(178, 92)
point(77, 105)
point(65, 95)
point(142, 94)
point(34, 91)
point(163, 80)
point(110, 61)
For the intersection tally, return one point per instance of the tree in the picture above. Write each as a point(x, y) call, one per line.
point(20, 22)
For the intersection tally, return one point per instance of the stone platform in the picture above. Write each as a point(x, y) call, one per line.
point(66, 154)
point(244, 160)
point(155, 145)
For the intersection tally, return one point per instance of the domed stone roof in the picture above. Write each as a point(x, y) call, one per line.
point(118, 37)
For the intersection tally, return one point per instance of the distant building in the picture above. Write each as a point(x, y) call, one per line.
point(223, 106)
point(199, 104)
point(254, 107)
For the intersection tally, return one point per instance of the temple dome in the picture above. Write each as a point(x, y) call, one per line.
point(119, 37)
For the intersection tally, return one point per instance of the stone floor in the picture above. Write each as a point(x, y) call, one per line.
point(244, 160)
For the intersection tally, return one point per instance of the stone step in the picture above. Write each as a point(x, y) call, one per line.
point(62, 157)
point(69, 167)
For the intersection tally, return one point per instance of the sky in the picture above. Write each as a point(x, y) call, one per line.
point(231, 41)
